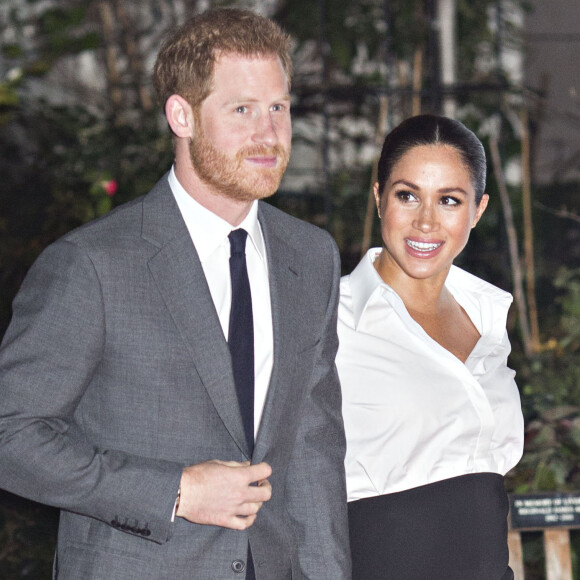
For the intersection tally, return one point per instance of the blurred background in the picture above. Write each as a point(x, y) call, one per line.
point(80, 133)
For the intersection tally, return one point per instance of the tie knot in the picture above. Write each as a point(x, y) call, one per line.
point(238, 241)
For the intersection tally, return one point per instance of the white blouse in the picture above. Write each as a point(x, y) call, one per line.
point(413, 412)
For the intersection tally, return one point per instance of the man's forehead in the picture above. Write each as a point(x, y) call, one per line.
point(249, 68)
point(226, 55)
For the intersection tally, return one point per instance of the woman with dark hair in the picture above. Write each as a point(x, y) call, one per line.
point(432, 413)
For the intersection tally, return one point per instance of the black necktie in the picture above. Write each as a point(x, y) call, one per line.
point(241, 332)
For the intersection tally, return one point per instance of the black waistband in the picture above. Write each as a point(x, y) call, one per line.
point(455, 529)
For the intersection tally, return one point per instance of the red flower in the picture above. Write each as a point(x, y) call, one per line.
point(110, 187)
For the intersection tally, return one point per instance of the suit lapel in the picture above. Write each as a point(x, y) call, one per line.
point(179, 276)
point(284, 274)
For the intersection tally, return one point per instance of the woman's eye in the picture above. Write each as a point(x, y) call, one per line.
point(242, 109)
point(448, 200)
point(405, 196)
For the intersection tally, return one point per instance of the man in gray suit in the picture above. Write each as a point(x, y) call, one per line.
point(118, 400)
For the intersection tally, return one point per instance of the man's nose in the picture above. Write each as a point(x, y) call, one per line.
point(265, 131)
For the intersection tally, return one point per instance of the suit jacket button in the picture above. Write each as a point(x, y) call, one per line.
point(238, 566)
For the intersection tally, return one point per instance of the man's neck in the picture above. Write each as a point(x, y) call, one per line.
point(231, 210)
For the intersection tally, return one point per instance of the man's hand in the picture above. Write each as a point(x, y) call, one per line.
point(220, 493)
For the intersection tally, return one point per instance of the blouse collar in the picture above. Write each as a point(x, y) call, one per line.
point(485, 304)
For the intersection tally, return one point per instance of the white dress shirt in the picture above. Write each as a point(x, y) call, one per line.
point(414, 413)
point(209, 234)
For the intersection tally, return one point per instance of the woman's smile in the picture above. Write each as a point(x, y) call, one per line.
point(427, 210)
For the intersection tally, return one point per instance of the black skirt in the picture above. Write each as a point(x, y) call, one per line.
point(454, 529)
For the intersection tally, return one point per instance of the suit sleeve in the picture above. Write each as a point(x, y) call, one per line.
point(316, 496)
point(47, 360)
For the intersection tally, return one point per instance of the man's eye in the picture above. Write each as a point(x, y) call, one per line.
point(242, 109)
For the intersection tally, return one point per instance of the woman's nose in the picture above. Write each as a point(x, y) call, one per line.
point(426, 219)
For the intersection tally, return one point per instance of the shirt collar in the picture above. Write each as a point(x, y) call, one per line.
point(365, 282)
point(486, 305)
point(207, 230)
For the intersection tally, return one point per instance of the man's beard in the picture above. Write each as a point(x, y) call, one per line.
point(232, 176)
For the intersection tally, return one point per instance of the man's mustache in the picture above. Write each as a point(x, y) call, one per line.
point(262, 151)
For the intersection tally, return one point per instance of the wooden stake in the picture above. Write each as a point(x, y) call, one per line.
point(135, 59)
point(371, 206)
point(417, 80)
point(113, 76)
point(529, 233)
point(558, 555)
point(517, 277)
point(516, 561)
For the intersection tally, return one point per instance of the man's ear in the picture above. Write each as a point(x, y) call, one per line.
point(179, 116)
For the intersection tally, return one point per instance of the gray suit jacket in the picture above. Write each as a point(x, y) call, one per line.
point(115, 374)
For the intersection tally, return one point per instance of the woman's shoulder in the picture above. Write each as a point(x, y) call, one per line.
point(464, 281)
